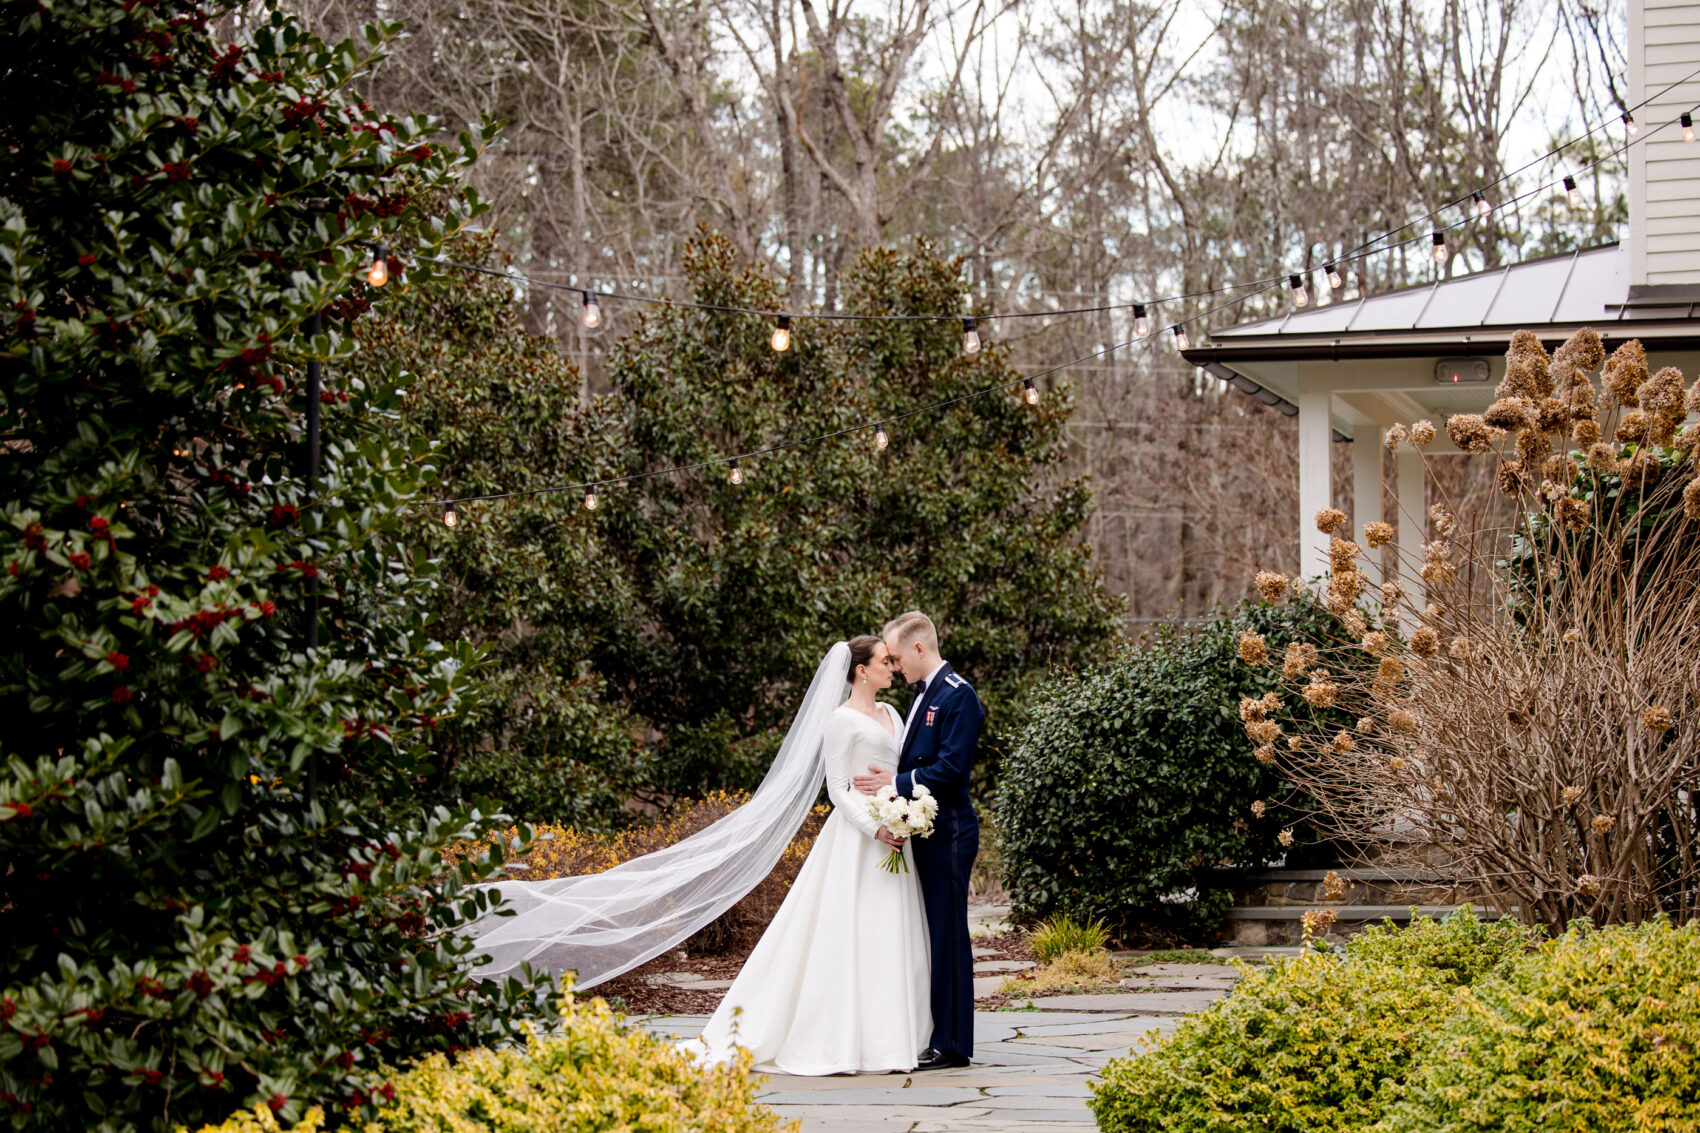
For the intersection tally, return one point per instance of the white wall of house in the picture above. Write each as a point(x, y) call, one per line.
point(1664, 170)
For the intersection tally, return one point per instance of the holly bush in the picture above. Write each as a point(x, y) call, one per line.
point(1132, 784)
point(203, 907)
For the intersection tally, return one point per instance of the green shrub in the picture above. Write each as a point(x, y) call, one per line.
point(1061, 933)
point(1132, 784)
point(184, 932)
point(1310, 1044)
point(1597, 1032)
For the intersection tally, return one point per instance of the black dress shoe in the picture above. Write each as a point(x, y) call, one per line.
point(933, 1060)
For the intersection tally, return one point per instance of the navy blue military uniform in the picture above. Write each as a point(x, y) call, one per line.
point(938, 753)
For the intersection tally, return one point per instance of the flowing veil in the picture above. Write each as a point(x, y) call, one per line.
point(605, 924)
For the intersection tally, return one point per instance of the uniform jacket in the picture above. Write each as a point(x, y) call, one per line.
point(942, 734)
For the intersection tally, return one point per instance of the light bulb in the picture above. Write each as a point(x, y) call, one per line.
point(737, 473)
point(1029, 391)
point(1484, 208)
point(1335, 279)
point(1181, 342)
point(1575, 193)
point(591, 316)
point(970, 337)
point(1300, 295)
point(880, 439)
point(590, 500)
point(1687, 126)
point(379, 273)
point(449, 516)
point(1141, 324)
point(1630, 124)
point(782, 334)
point(1439, 246)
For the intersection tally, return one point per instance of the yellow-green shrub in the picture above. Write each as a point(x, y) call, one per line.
point(1598, 1032)
point(261, 1119)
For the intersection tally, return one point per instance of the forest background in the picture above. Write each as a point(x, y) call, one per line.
point(1085, 154)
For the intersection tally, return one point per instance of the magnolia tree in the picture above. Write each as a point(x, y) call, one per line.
point(191, 923)
point(1536, 724)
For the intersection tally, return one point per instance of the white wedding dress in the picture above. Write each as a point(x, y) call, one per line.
point(839, 981)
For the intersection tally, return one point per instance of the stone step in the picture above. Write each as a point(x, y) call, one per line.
point(1408, 876)
point(1348, 912)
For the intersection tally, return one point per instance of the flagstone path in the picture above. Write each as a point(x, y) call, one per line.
point(1031, 1065)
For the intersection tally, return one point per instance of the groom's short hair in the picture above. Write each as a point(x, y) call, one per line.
point(911, 627)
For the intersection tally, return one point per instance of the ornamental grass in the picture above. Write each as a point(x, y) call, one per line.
point(1533, 725)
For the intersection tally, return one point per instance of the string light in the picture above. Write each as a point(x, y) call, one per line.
point(591, 315)
point(1687, 126)
point(1439, 246)
point(1029, 391)
point(1335, 279)
point(880, 439)
point(1571, 189)
point(1141, 324)
point(970, 337)
point(1629, 122)
point(737, 473)
point(1181, 341)
point(782, 334)
point(379, 273)
point(590, 500)
point(1484, 208)
point(449, 516)
point(1300, 295)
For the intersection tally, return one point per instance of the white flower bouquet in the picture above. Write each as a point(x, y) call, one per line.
point(906, 818)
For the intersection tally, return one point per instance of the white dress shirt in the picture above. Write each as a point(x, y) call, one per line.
point(915, 708)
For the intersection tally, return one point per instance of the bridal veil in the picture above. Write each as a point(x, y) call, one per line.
point(604, 924)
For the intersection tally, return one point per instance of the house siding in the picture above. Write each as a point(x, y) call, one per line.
point(1664, 171)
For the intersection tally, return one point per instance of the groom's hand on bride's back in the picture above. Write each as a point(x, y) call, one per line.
point(873, 780)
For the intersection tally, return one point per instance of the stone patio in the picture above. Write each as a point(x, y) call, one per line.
point(1032, 1064)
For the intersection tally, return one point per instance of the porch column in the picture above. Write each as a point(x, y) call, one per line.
point(1316, 488)
point(1413, 523)
point(1366, 485)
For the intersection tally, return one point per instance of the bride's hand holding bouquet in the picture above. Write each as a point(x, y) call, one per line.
point(903, 818)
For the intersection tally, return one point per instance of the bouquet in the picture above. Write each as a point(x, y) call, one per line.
point(906, 818)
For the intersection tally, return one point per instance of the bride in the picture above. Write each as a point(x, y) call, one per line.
point(839, 981)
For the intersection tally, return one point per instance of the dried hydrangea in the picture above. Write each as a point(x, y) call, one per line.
point(1396, 764)
point(1353, 623)
point(1320, 692)
point(1552, 415)
point(1510, 479)
point(1402, 722)
point(1329, 520)
point(1533, 449)
point(1692, 404)
point(1572, 636)
point(1333, 886)
point(1300, 656)
point(1395, 437)
point(1390, 670)
point(1378, 534)
point(1552, 490)
point(1602, 458)
point(1656, 719)
point(1585, 349)
point(1294, 743)
point(1571, 514)
point(1469, 432)
point(1436, 573)
point(1365, 725)
point(1317, 921)
point(1392, 593)
point(1271, 585)
point(1661, 396)
point(1624, 372)
point(1285, 837)
point(1512, 414)
point(1569, 795)
point(1691, 499)
point(1444, 521)
point(1602, 824)
point(1560, 468)
point(1425, 642)
point(1345, 586)
point(1641, 470)
point(1422, 432)
point(1585, 432)
point(1343, 743)
point(1252, 709)
point(1375, 643)
point(1459, 648)
point(1266, 753)
point(1253, 650)
point(1588, 885)
point(1343, 555)
point(1632, 427)
point(1263, 731)
point(1258, 807)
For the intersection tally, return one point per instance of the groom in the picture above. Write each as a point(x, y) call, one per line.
point(939, 738)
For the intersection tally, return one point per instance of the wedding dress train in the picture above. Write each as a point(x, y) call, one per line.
point(839, 981)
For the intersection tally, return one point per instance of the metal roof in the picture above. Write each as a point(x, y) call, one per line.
point(1558, 293)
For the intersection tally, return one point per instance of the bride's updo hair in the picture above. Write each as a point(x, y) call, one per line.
point(861, 653)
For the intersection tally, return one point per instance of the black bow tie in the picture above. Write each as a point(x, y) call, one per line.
point(918, 687)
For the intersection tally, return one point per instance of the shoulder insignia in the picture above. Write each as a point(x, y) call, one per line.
point(954, 681)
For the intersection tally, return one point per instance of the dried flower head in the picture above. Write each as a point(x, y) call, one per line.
point(1258, 807)
point(1266, 752)
point(1392, 593)
point(1687, 441)
point(1285, 837)
point(1253, 651)
point(1391, 670)
point(1511, 479)
point(1343, 555)
point(1365, 725)
point(1459, 648)
point(1552, 415)
point(1395, 437)
point(1632, 427)
point(1294, 743)
point(1435, 573)
point(1588, 885)
point(1661, 396)
point(1469, 432)
point(1271, 585)
point(1375, 644)
point(1425, 642)
point(1345, 586)
point(1402, 722)
point(1572, 636)
point(1569, 795)
point(1378, 534)
point(1533, 449)
point(1602, 458)
point(1560, 468)
point(1320, 692)
point(1444, 521)
point(1396, 764)
point(1624, 372)
point(1585, 349)
point(1602, 824)
point(1692, 404)
point(1343, 743)
point(1252, 709)
point(1585, 432)
point(1329, 520)
point(1512, 414)
point(1691, 499)
point(1422, 432)
point(1528, 369)
point(1656, 719)
point(1353, 623)
point(1551, 491)
point(1333, 886)
point(1571, 514)
point(1641, 470)
point(1317, 921)
point(1263, 731)
point(1300, 656)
